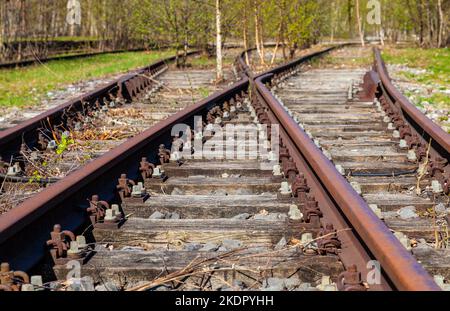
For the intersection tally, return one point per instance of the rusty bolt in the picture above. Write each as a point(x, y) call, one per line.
point(9, 279)
point(413, 141)
point(60, 242)
point(124, 186)
point(265, 120)
point(405, 131)
point(3, 166)
point(421, 152)
point(300, 187)
point(350, 280)
point(290, 169)
point(164, 154)
point(399, 122)
point(146, 168)
point(330, 243)
point(226, 106)
point(97, 209)
point(284, 153)
point(436, 167)
point(312, 212)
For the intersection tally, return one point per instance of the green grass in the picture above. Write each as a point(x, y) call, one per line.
point(354, 62)
point(435, 61)
point(204, 92)
point(203, 61)
point(29, 85)
point(63, 38)
point(437, 65)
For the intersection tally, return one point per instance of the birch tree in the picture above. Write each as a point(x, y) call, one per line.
point(219, 73)
point(359, 22)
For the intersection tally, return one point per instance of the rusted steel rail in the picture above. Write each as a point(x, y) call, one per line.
point(414, 127)
point(399, 265)
point(24, 230)
point(241, 63)
point(125, 88)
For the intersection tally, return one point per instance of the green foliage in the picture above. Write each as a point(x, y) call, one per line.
point(28, 85)
point(436, 62)
point(174, 21)
point(65, 142)
point(300, 18)
point(36, 177)
point(204, 92)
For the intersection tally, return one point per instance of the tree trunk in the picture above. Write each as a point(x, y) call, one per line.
point(358, 18)
point(185, 48)
point(22, 16)
point(185, 20)
point(2, 32)
point(261, 36)
point(275, 50)
point(441, 28)
point(283, 28)
point(245, 36)
point(421, 24)
point(292, 50)
point(430, 25)
point(349, 17)
point(332, 22)
point(283, 41)
point(257, 39)
point(381, 34)
point(219, 43)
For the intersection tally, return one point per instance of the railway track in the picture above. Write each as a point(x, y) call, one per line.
point(60, 146)
point(270, 213)
point(383, 161)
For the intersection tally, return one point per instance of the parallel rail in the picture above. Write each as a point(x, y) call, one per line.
point(426, 127)
point(418, 130)
point(24, 229)
point(33, 218)
point(125, 88)
point(399, 265)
